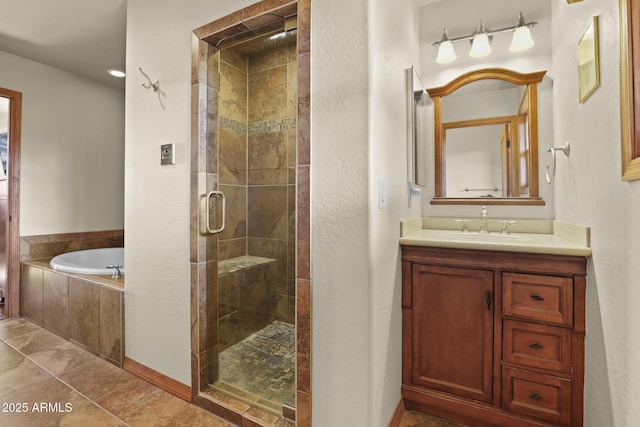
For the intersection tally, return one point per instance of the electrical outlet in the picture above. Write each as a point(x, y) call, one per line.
point(167, 154)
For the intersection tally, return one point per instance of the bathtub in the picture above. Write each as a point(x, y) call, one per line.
point(91, 261)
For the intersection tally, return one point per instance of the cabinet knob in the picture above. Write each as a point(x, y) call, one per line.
point(536, 346)
point(536, 297)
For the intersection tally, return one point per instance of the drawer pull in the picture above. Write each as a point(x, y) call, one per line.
point(537, 297)
point(536, 346)
point(535, 396)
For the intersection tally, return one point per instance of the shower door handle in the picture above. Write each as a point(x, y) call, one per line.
point(210, 229)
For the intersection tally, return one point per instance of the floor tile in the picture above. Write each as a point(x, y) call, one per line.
point(62, 358)
point(191, 416)
point(140, 403)
point(20, 374)
point(11, 328)
point(33, 341)
point(97, 378)
point(418, 419)
point(37, 408)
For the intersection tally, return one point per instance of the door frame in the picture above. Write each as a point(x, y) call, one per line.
point(12, 291)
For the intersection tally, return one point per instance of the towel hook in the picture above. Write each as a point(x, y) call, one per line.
point(566, 149)
point(153, 84)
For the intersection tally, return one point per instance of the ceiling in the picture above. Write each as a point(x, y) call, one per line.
point(84, 37)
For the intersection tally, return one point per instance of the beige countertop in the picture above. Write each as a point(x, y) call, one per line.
point(532, 236)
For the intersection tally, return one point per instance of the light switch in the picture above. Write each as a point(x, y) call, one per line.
point(167, 154)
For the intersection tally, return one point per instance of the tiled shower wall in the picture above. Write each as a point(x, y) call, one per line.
point(204, 178)
point(257, 149)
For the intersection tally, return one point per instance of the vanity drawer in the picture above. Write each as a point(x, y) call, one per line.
point(536, 297)
point(543, 396)
point(538, 346)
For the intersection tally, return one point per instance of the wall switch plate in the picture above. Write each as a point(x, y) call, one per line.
point(167, 154)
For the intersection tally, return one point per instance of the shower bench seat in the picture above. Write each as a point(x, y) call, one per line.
point(244, 262)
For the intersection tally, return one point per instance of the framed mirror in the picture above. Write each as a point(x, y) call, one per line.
point(417, 101)
point(630, 89)
point(486, 138)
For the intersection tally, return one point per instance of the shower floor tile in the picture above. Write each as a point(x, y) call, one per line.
point(263, 364)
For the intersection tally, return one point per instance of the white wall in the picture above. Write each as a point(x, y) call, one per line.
point(157, 319)
point(359, 137)
point(340, 239)
point(589, 191)
point(393, 47)
point(72, 171)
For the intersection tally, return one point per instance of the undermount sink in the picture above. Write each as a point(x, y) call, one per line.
point(482, 237)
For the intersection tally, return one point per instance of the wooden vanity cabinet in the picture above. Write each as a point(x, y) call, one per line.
point(493, 338)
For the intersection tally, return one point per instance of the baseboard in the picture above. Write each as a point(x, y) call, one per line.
point(397, 415)
point(162, 381)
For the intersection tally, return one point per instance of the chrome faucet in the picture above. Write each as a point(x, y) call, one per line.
point(505, 226)
point(116, 271)
point(465, 224)
point(483, 221)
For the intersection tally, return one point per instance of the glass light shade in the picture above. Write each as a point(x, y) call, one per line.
point(521, 40)
point(480, 46)
point(446, 53)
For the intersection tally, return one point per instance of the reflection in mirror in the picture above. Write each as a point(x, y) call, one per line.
point(417, 101)
point(474, 156)
point(486, 138)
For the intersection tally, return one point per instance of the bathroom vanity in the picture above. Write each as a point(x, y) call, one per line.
point(494, 324)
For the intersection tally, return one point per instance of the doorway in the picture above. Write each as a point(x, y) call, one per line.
point(251, 286)
point(10, 126)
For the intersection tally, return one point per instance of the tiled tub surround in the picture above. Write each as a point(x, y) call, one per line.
point(50, 245)
point(86, 310)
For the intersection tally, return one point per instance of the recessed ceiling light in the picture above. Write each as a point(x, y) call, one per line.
point(116, 73)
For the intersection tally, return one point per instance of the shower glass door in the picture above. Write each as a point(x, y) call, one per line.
point(252, 129)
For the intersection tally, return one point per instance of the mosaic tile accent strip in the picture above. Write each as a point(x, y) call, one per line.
point(269, 126)
point(232, 125)
point(263, 364)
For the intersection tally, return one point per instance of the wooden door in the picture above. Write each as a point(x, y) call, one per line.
point(452, 348)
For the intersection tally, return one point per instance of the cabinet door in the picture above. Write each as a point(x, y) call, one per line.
point(453, 330)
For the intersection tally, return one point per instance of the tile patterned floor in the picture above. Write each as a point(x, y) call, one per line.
point(263, 364)
point(47, 381)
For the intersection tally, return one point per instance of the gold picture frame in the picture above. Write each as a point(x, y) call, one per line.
point(588, 61)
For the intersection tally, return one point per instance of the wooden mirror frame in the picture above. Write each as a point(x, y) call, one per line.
point(529, 80)
point(629, 88)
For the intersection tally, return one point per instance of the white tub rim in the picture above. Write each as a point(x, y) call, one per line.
point(89, 261)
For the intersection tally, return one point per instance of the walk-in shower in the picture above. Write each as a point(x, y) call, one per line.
point(251, 165)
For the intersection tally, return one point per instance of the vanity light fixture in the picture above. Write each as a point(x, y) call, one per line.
point(481, 40)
